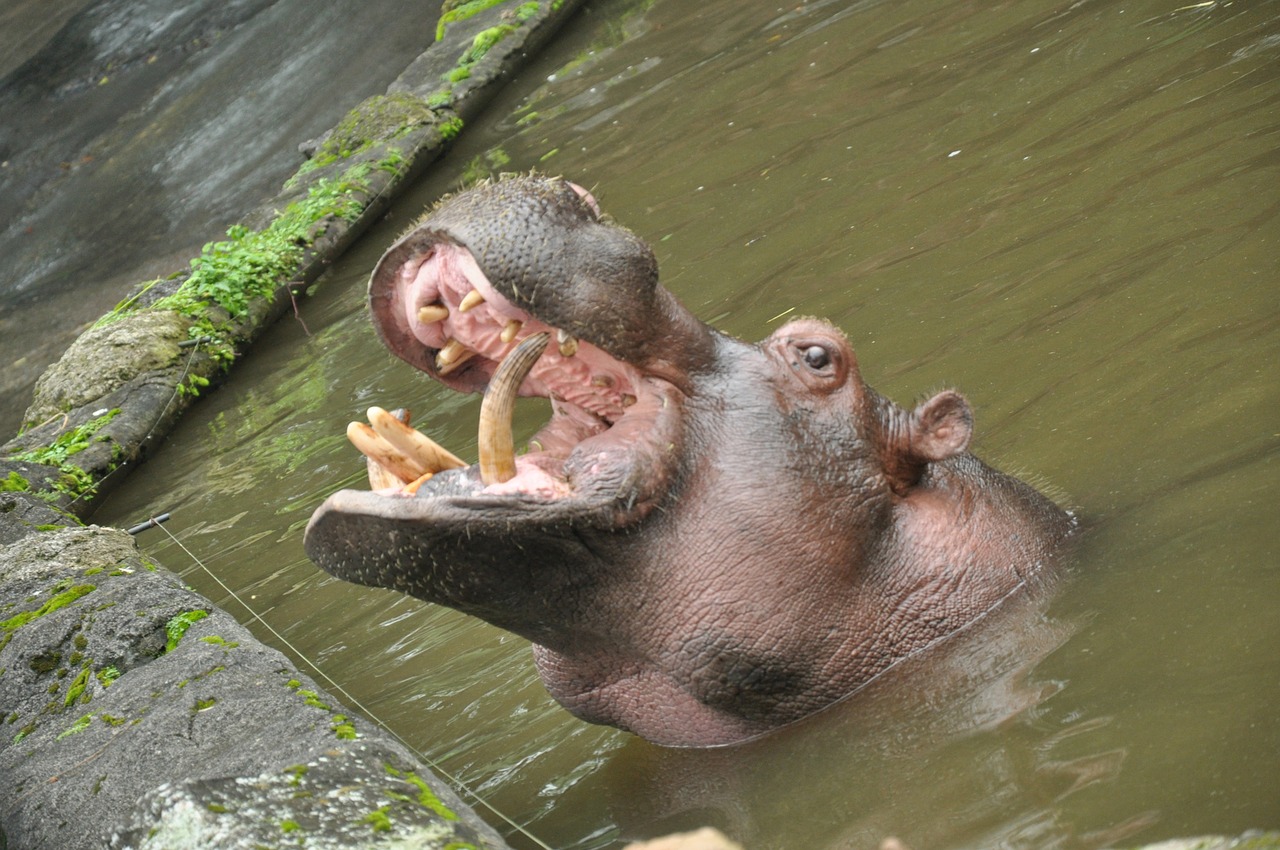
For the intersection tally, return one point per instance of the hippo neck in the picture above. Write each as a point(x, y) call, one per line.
point(968, 520)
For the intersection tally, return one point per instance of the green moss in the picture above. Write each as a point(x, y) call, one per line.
point(453, 12)
point(293, 684)
point(107, 675)
point(81, 642)
point(219, 641)
point(72, 481)
point(374, 120)
point(24, 731)
point(51, 527)
point(289, 826)
point(426, 797)
point(379, 819)
point(450, 129)
point(296, 772)
point(217, 808)
point(250, 264)
point(77, 688)
point(46, 662)
point(14, 483)
point(178, 625)
point(202, 704)
point(59, 600)
point(77, 727)
point(111, 719)
point(484, 41)
point(342, 728)
point(312, 699)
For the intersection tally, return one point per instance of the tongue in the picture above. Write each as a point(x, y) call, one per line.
point(497, 447)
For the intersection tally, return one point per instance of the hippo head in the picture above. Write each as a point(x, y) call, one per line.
point(709, 539)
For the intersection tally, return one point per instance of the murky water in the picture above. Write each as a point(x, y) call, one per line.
point(1070, 212)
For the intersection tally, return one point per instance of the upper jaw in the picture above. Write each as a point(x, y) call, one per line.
point(609, 444)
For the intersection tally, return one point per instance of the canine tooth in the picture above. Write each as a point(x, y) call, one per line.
point(628, 399)
point(471, 299)
point(497, 448)
point(510, 329)
point(427, 452)
point(429, 314)
point(602, 381)
point(453, 355)
point(387, 456)
point(567, 344)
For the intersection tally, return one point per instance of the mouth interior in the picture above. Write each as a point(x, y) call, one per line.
point(443, 304)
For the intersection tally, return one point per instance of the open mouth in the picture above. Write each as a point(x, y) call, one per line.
point(612, 424)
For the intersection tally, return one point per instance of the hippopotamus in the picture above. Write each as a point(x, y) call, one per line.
point(710, 538)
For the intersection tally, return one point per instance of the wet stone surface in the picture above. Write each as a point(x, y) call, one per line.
point(117, 677)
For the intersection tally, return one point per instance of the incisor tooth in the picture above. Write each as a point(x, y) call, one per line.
point(453, 355)
point(387, 456)
point(497, 448)
point(381, 478)
point(510, 329)
point(427, 452)
point(429, 314)
point(567, 344)
point(471, 299)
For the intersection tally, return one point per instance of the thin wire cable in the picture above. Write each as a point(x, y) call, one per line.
point(454, 780)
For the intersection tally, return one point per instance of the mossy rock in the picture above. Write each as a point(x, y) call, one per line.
point(376, 119)
point(105, 358)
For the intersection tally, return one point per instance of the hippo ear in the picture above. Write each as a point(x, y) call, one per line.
point(940, 427)
point(936, 430)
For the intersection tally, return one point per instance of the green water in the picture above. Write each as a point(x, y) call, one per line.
point(1069, 212)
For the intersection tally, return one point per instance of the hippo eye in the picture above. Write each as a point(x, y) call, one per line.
point(816, 358)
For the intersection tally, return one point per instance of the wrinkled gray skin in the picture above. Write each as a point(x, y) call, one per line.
point(757, 536)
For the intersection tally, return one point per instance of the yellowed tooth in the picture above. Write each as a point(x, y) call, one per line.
point(380, 477)
point(425, 451)
point(510, 329)
point(429, 314)
point(453, 355)
point(412, 487)
point(497, 448)
point(392, 461)
point(568, 345)
point(471, 299)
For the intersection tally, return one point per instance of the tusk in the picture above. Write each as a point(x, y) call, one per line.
point(392, 461)
point(429, 314)
point(472, 299)
point(427, 452)
point(497, 448)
